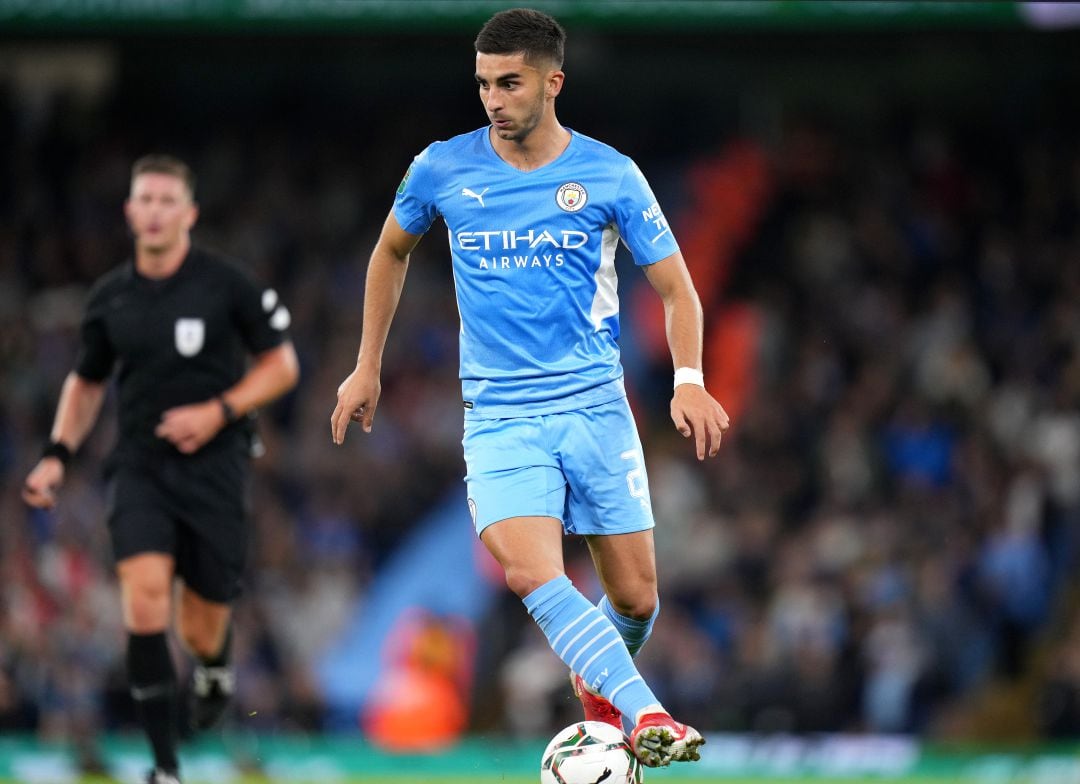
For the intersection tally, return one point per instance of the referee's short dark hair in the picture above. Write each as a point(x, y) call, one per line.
point(158, 163)
point(515, 30)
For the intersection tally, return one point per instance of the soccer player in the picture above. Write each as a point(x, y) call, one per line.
point(179, 322)
point(535, 212)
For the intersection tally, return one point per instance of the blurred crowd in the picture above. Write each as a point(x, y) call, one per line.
point(894, 521)
point(887, 532)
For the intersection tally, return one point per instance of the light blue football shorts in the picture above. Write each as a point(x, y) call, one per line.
point(584, 468)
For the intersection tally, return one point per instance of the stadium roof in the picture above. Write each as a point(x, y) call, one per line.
point(423, 16)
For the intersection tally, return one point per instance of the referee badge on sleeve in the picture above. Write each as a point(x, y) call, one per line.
point(190, 334)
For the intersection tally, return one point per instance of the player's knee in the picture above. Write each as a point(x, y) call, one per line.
point(521, 583)
point(646, 609)
point(640, 607)
point(524, 580)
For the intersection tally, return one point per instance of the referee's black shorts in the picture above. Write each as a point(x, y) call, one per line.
point(193, 507)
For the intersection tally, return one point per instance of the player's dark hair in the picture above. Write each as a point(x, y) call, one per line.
point(157, 163)
point(515, 30)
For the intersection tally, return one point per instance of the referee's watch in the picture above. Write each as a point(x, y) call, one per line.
point(231, 417)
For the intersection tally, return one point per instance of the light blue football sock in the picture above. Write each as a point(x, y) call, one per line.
point(635, 633)
point(590, 645)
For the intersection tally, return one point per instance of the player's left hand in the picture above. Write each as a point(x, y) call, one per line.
point(190, 427)
point(697, 414)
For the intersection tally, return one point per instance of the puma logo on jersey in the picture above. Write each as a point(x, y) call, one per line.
point(474, 195)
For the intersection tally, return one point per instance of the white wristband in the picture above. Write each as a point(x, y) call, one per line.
point(689, 375)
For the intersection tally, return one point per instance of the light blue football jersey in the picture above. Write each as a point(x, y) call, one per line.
point(534, 266)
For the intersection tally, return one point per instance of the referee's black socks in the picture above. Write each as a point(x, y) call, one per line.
point(152, 677)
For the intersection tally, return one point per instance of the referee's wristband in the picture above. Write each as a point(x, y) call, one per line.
point(689, 375)
point(228, 411)
point(57, 449)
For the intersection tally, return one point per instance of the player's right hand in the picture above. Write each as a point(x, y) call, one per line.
point(357, 398)
point(39, 490)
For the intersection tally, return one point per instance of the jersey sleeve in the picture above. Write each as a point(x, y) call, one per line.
point(414, 203)
point(96, 356)
point(641, 222)
point(258, 313)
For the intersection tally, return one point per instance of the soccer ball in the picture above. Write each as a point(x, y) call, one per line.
point(590, 752)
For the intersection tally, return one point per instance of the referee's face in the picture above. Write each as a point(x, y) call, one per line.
point(160, 211)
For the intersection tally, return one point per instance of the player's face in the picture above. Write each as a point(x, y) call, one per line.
point(159, 211)
point(515, 94)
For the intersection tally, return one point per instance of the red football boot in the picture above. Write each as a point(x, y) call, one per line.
point(658, 739)
point(596, 707)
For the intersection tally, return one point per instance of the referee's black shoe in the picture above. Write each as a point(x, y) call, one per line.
point(211, 690)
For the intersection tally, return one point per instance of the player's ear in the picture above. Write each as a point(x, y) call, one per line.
point(193, 214)
point(554, 83)
point(127, 211)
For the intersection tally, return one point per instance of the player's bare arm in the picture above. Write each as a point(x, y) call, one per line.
point(358, 395)
point(273, 373)
point(694, 411)
point(76, 413)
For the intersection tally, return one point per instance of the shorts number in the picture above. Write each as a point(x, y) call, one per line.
point(635, 479)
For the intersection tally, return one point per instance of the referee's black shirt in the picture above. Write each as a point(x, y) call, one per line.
point(176, 340)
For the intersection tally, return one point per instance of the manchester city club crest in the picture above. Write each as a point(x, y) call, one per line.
point(190, 334)
point(571, 196)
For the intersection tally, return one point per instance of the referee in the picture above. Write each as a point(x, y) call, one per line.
point(178, 324)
